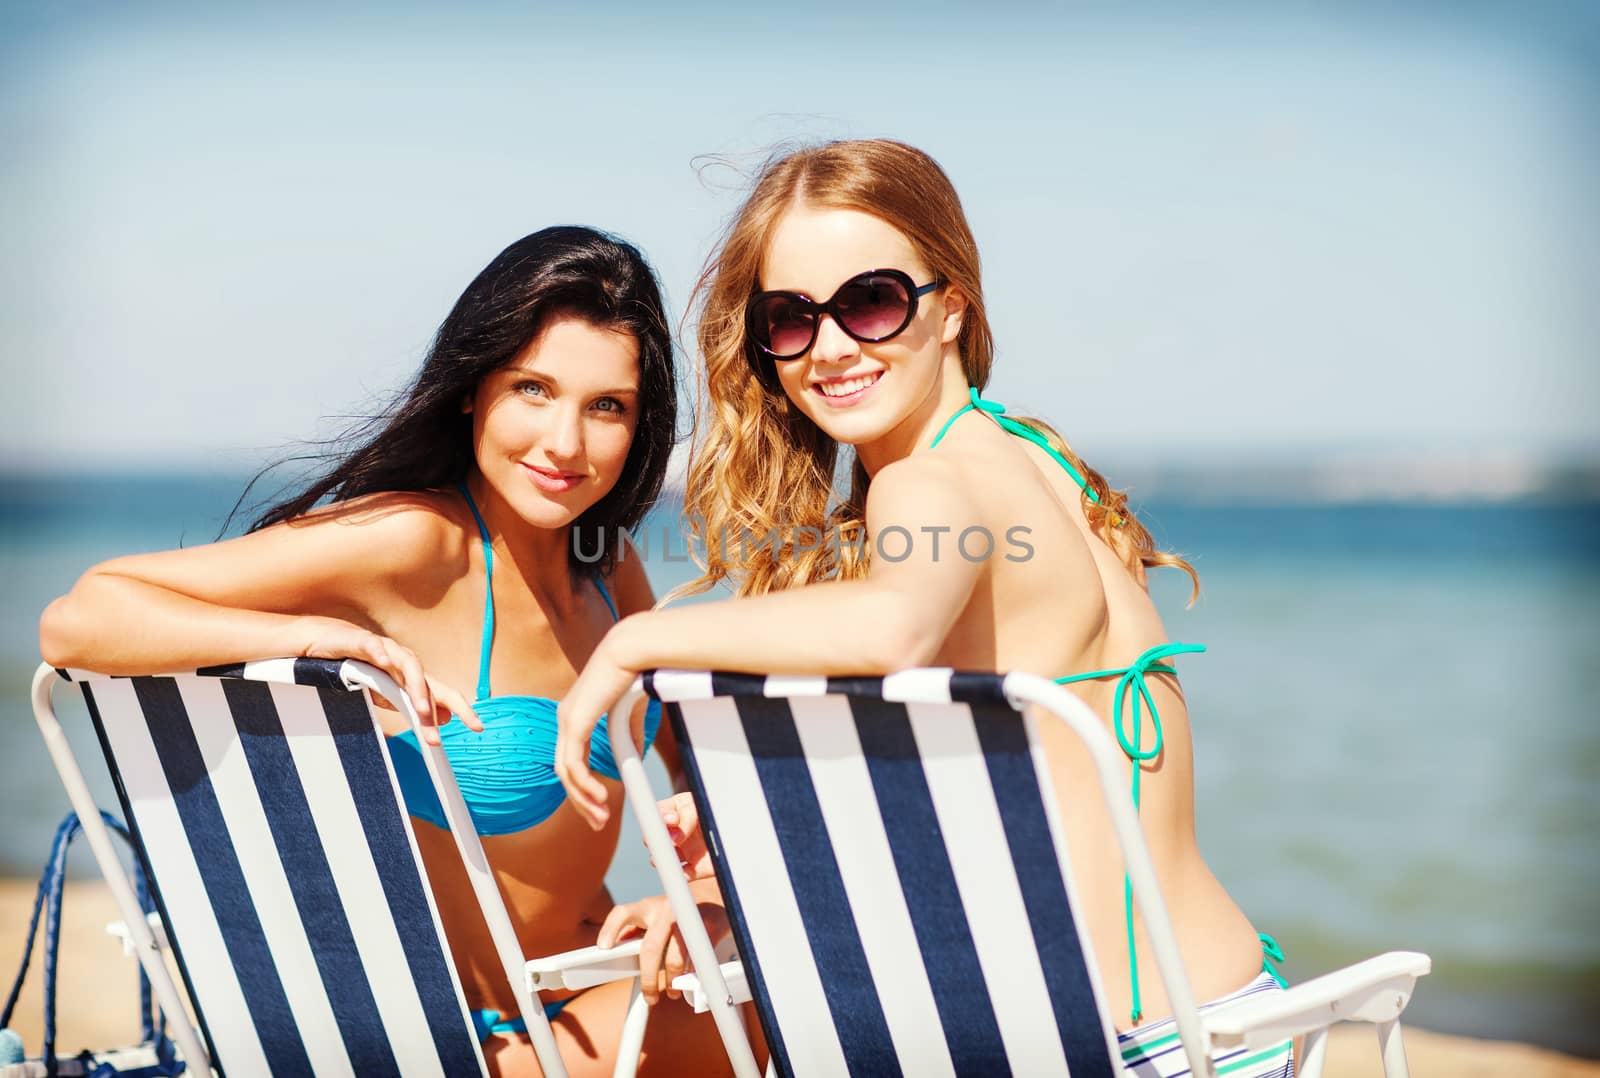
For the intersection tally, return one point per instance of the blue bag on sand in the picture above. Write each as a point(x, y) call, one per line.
point(154, 1058)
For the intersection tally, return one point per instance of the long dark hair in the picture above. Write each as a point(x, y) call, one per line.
point(424, 442)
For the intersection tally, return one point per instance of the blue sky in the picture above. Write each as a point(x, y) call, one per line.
point(1269, 230)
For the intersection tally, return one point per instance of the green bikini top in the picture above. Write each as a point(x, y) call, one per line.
point(1131, 679)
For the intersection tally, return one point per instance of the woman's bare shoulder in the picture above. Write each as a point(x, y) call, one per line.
point(931, 478)
point(402, 531)
point(990, 482)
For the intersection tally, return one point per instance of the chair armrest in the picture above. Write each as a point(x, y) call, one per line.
point(1376, 990)
point(158, 933)
point(585, 967)
point(694, 993)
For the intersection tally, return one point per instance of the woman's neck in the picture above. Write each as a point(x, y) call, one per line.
point(538, 555)
point(947, 396)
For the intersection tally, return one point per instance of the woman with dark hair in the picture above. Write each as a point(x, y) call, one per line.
point(489, 506)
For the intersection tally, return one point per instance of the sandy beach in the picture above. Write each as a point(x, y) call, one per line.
point(98, 998)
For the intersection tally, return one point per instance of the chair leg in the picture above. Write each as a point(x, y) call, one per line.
point(631, 1043)
point(1394, 1051)
point(1316, 1050)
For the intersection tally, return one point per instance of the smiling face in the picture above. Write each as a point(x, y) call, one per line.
point(857, 392)
point(551, 429)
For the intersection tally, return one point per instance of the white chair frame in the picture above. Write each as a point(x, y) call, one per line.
point(577, 969)
point(1376, 990)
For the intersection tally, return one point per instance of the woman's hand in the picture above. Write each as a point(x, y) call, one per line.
point(434, 701)
point(604, 679)
point(662, 954)
point(678, 812)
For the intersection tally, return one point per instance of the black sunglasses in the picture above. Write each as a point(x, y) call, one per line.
point(870, 307)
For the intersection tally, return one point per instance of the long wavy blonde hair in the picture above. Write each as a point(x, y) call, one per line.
point(761, 495)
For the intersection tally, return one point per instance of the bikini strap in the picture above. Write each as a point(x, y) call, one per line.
point(606, 595)
point(996, 411)
point(488, 595)
point(1131, 683)
point(978, 404)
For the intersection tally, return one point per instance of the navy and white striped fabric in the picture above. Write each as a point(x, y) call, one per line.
point(894, 872)
point(273, 832)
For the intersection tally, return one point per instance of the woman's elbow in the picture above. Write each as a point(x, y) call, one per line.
point(903, 638)
point(60, 638)
point(66, 628)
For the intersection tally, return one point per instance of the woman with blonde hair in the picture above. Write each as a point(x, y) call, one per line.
point(845, 305)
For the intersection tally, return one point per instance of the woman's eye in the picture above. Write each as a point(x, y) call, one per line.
point(610, 404)
point(532, 389)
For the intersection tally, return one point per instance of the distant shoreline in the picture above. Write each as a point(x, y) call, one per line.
point(1179, 485)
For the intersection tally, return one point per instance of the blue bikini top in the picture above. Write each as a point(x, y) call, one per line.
point(505, 773)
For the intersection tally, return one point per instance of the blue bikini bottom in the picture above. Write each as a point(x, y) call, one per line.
point(487, 1021)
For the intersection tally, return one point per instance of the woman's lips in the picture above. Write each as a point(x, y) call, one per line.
point(552, 482)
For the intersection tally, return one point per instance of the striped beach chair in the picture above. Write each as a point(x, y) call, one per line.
point(900, 892)
point(283, 864)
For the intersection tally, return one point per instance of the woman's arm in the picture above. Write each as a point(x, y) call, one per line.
point(308, 588)
point(662, 953)
point(898, 616)
point(631, 591)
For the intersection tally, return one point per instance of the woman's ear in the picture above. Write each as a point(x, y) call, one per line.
point(955, 313)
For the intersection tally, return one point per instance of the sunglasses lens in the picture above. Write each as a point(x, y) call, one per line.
point(782, 325)
point(873, 307)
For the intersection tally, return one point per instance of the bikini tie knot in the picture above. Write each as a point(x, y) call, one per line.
point(1132, 684)
point(1271, 954)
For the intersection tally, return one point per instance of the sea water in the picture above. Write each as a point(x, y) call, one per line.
point(1395, 746)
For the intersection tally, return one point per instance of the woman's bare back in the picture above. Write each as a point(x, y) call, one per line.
point(1059, 601)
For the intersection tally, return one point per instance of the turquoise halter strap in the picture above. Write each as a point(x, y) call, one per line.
point(488, 597)
point(996, 411)
point(1131, 683)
